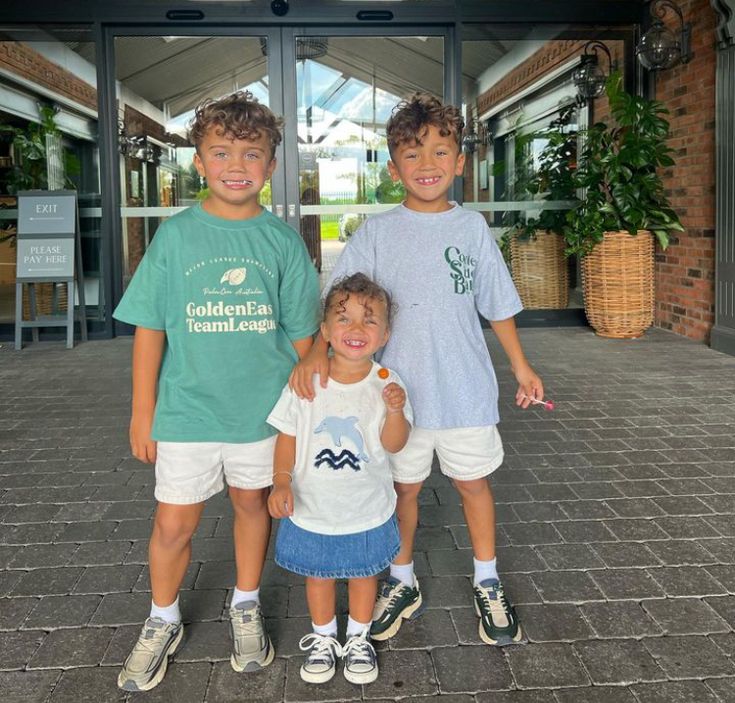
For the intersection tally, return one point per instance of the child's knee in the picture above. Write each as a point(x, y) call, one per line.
point(171, 529)
point(475, 487)
point(248, 502)
point(408, 491)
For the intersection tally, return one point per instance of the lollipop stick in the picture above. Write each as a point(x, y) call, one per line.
point(548, 404)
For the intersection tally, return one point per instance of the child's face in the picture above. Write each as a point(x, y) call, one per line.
point(427, 170)
point(236, 171)
point(357, 327)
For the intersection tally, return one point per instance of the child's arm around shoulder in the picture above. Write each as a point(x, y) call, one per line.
point(147, 354)
point(396, 427)
point(315, 360)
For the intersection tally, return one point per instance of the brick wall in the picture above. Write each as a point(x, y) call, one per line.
point(685, 271)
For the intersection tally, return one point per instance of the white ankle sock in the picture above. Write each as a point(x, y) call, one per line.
point(169, 613)
point(328, 630)
point(356, 628)
point(404, 573)
point(485, 570)
point(239, 596)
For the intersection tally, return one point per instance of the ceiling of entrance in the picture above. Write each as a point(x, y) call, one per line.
point(175, 73)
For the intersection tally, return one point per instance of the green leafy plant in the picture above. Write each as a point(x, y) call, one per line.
point(617, 167)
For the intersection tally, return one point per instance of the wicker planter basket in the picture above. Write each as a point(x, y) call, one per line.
point(51, 299)
point(617, 278)
point(539, 270)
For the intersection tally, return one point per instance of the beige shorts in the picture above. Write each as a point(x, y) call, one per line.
point(465, 453)
point(191, 472)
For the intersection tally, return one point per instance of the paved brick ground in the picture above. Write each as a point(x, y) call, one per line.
point(616, 540)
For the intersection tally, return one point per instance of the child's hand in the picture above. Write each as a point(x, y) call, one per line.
point(301, 380)
point(529, 386)
point(141, 444)
point(394, 397)
point(280, 501)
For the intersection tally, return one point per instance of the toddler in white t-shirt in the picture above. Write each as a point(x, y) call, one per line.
point(332, 483)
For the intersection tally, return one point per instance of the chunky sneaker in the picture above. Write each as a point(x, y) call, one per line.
point(251, 646)
point(498, 621)
point(396, 602)
point(321, 662)
point(146, 665)
point(361, 662)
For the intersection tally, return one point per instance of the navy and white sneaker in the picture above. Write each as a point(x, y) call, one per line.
point(361, 662)
point(321, 662)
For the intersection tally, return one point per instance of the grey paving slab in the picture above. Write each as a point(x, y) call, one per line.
point(616, 540)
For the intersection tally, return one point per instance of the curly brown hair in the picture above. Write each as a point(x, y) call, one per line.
point(413, 115)
point(236, 116)
point(360, 285)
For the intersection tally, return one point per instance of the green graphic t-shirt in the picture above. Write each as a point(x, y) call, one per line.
point(232, 296)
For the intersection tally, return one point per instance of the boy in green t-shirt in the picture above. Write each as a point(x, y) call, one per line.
point(225, 301)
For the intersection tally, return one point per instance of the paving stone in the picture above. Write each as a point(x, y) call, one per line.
point(13, 611)
point(87, 531)
point(618, 584)
point(518, 559)
point(725, 607)
point(8, 581)
point(285, 634)
point(585, 531)
point(107, 579)
point(689, 657)
point(635, 530)
point(553, 623)
point(206, 641)
point(62, 611)
point(18, 647)
point(596, 694)
point(490, 669)
point(122, 609)
point(723, 688)
point(100, 553)
point(72, 648)
point(724, 524)
point(685, 616)
point(433, 629)
point(27, 686)
point(722, 549)
point(265, 686)
point(626, 554)
point(617, 661)
point(686, 527)
point(680, 552)
point(42, 582)
point(448, 591)
point(451, 562)
point(89, 685)
point(539, 512)
point(673, 692)
point(547, 665)
point(566, 587)
point(686, 581)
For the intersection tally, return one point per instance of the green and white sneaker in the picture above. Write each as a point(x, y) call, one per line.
point(361, 662)
point(146, 664)
point(321, 662)
point(251, 647)
point(498, 621)
point(396, 602)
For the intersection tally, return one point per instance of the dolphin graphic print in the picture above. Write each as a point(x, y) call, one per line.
point(344, 427)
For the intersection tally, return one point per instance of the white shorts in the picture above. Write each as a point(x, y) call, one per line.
point(191, 472)
point(465, 453)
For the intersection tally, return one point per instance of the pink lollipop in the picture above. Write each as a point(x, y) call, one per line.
point(548, 404)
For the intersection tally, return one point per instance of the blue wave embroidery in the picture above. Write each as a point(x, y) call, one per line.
point(345, 458)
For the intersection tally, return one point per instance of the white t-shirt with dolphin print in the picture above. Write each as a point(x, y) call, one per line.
point(342, 482)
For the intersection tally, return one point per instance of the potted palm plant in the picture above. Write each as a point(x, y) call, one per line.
point(624, 206)
point(535, 243)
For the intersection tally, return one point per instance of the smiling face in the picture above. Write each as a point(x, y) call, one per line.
point(427, 170)
point(355, 326)
point(236, 171)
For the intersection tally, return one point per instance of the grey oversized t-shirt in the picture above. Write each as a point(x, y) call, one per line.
point(442, 269)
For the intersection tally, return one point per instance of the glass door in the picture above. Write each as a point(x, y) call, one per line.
point(344, 86)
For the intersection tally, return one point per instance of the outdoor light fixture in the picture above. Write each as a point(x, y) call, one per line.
point(476, 133)
point(136, 146)
point(659, 47)
point(589, 78)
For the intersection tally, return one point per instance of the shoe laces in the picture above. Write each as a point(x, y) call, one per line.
point(247, 622)
point(324, 648)
point(494, 598)
point(155, 632)
point(389, 593)
point(359, 650)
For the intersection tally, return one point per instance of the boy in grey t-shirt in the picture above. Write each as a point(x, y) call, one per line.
point(442, 267)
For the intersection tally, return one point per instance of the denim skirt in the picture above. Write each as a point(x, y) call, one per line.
point(356, 555)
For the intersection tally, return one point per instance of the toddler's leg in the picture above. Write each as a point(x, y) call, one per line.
point(407, 510)
point(251, 647)
point(361, 663)
point(322, 644)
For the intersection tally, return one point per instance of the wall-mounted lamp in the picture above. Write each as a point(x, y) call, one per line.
point(659, 47)
point(589, 78)
point(136, 146)
point(476, 133)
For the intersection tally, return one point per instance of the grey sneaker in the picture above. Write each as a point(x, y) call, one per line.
point(361, 662)
point(321, 662)
point(251, 646)
point(396, 602)
point(146, 664)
